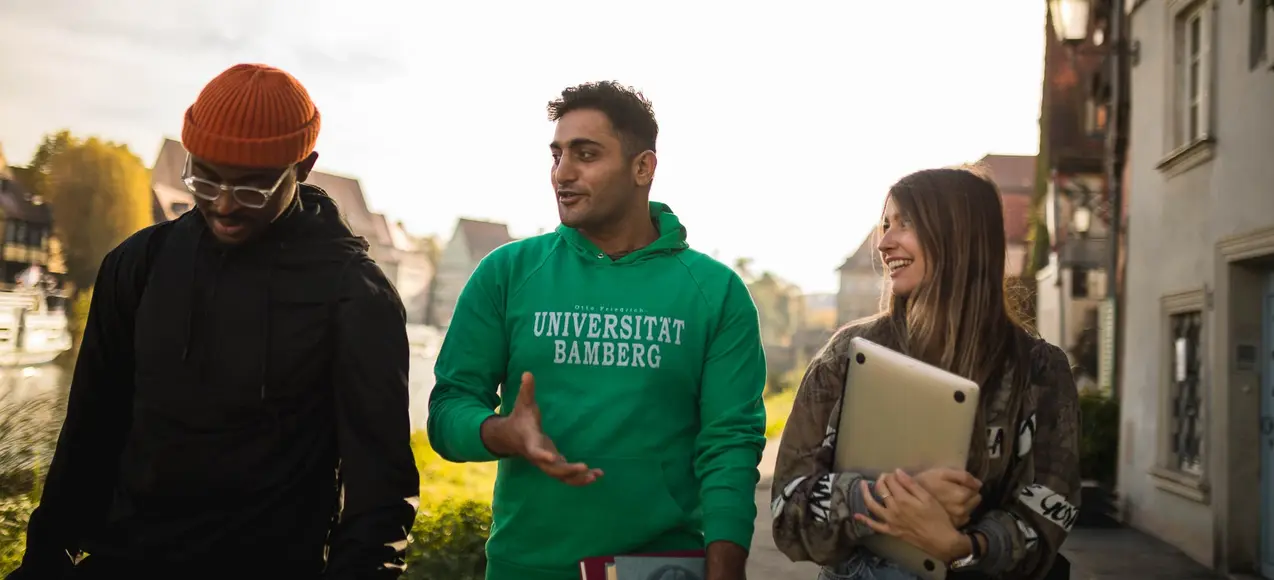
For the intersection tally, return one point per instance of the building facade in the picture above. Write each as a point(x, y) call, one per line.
point(28, 247)
point(1196, 464)
point(469, 244)
point(862, 278)
point(1014, 176)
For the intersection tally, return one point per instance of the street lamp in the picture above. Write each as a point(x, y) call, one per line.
point(1070, 19)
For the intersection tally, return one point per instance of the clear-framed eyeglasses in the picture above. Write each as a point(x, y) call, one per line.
point(244, 195)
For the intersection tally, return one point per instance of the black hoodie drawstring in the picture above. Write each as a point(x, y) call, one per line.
point(189, 333)
point(270, 266)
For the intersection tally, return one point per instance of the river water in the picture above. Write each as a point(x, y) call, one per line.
point(32, 399)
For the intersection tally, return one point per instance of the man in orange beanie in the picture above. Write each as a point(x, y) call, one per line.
point(239, 405)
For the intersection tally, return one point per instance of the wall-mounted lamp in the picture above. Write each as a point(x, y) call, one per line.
point(1082, 220)
point(1070, 22)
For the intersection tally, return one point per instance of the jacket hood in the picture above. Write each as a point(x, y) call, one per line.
point(311, 229)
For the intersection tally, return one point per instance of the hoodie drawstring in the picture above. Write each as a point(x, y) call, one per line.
point(189, 331)
point(270, 266)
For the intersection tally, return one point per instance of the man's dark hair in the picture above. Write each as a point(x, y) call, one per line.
point(628, 110)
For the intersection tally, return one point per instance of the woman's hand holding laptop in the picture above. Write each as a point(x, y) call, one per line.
point(925, 510)
point(956, 490)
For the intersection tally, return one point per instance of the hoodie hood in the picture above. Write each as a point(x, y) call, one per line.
point(671, 240)
point(311, 229)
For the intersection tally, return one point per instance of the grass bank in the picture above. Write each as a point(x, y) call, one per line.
point(777, 407)
point(442, 480)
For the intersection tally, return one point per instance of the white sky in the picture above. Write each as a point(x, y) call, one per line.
point(780, 129)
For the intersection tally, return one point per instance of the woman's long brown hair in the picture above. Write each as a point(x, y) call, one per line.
point(960, 318)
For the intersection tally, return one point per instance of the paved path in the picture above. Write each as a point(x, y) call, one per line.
point(1118, 553)
point(1095, 554)
point(766, 562)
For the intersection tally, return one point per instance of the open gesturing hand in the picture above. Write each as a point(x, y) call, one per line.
point(520, 433)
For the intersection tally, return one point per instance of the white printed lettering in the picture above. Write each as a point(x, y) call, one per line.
point(995, 441)
point(650, 326)
point(618, 338)
point(594, 325)
point(820, 502)
point(1031, 537)
point(1050, 504)
point(639, 350)
point(1025, 436)
point(780, 502)
point(829, 437)
point(625, 327)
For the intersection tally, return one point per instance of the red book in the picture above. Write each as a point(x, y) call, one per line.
point(595, 568)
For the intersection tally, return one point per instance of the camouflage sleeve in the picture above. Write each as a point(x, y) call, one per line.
point(814, 508)
point(1024, 537)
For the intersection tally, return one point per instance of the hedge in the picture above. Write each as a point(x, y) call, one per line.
point(449, 541)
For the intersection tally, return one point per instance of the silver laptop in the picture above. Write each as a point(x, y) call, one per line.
point(899, 412)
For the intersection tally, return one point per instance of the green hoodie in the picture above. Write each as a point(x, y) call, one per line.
point(648, 367)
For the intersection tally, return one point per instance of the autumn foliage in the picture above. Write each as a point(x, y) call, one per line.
point(100, 195)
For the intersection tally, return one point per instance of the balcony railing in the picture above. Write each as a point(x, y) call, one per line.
point(1083, 252)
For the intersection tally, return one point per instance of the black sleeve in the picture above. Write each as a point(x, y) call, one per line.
point(381, 486)
point(81, 479)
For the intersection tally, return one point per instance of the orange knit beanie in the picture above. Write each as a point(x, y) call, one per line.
point(254, 116)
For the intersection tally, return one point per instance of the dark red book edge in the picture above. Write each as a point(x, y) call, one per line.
point(595, 568)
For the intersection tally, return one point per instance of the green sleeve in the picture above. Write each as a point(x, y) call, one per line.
point(470, 367)
point(732, 416)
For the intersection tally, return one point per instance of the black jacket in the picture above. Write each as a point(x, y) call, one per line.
point(220, 403)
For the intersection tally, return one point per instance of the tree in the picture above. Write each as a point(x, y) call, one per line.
point(781, 313)
point(779, 306)
point(35, 176)
point(99, 192)
point(743, 266)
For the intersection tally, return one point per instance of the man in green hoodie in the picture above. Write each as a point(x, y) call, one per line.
point(627, 368)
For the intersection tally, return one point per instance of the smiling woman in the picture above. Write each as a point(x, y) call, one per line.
point(1008, 511)
point(900, 250)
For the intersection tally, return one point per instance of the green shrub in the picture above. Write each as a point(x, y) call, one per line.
point(14, 512)
point(1099, 437)
point(28, 434)
point(449, 541)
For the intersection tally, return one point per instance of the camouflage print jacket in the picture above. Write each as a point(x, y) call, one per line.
point(1030, 490)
